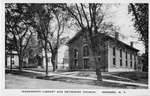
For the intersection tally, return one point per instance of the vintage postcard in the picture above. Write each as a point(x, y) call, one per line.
point(74, 47)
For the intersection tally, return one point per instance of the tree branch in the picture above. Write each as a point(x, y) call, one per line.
point(79, 14)
point(50, 45)
point(24, 33)
point(100, 21)
point(28, 41)
point(89, 28)
point(74, 16)
point(136, 17)
point(91, 15)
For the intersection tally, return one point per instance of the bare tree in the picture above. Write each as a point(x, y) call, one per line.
point(90, 18)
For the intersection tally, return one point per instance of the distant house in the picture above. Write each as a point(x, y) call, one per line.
point(117, 55)
point(41, 54)
point(14, 60)
point(61, 59)
point(11, 55)
point(33, 55)
point(66, 59)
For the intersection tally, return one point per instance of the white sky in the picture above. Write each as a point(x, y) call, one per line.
point(123, 20)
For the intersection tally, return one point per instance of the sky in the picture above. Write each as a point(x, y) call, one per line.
point(122, 19)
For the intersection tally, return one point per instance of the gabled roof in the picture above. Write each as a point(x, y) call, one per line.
point(108, 38)
point(120, 42)
point(74, 37)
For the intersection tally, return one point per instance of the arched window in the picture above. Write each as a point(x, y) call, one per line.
point(86, 61)
point(86, 51)
point(75, 53)
point(75, 57)
point(114, 56)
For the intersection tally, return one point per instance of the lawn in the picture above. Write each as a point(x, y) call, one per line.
point(90, 82)
point(135, 76)
point(44, 69)
point(79, 81)
point(139, 77)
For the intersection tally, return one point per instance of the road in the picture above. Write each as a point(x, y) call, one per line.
point(20, 82)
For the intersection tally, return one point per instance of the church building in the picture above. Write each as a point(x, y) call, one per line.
point(117, 55)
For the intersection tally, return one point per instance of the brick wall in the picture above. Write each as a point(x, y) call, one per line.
point(78, 44)
point(106, 56)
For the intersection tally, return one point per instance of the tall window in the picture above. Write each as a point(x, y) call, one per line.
point(114, 51)
point(114, 56)
point(126, 58)
point(86, 57)
point(131, 59)
point(75, 53)
point(120, 57)
point(86, 63)
point(134, 61)
point(75, 57)
point(99, 56)
point(85, 51)
point(13, 62)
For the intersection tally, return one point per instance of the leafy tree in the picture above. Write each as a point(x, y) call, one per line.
point(50, 22)
point(18, 21)
point(90, 18)
point(9, 47)
point(33, 49)
point(140, 13)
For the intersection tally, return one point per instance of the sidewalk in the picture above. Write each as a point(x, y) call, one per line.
point(89, 78)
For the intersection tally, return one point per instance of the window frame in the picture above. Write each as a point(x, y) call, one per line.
point(114, 56)
point(120, 57)
point(86, 53)
point(134, 61)
point(126, 58)
point(87, 56)
point(76, 53)
point(131, 60)
point(75, 56)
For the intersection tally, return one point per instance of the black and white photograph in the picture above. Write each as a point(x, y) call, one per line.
point(75, 48)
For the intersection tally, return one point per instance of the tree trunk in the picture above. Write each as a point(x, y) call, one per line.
point(46, 60)
point(98, 66)
point(11, 62)
point(20, 58)
point(5, 59)
point(53, 60)
point(95, 47)
point(20, 62)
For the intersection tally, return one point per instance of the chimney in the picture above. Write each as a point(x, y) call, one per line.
point(116, 35)
point(131, 44)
